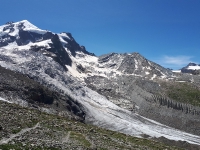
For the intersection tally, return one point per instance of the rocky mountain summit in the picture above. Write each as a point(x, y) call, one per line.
point(122, 92)
point(192, 68)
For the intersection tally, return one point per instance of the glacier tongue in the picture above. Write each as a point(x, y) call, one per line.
point(99, 111)
point(104, 113)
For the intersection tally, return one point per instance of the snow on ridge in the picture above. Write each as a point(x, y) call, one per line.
point(14, 45)
point(64, 35)
point(27, 27)
point(39, 31)
point(62, 40)
point(197, 67)
point(26, 23)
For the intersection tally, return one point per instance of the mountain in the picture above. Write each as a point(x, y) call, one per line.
point(192, 68)
point(122, 92)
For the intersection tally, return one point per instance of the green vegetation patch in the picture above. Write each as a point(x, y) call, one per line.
point(80, 137)
point(182, 92)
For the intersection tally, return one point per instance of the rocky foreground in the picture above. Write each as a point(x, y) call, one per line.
point(25, 128)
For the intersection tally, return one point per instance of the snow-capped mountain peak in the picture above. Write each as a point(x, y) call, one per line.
point(26, 24)
point(23, 35)
point(192, 68)
point(12, 28)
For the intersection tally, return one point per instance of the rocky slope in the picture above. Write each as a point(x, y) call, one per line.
point(23, 128)
point(20, 89)
point(121, 92)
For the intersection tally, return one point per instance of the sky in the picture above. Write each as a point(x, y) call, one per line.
point(164, 31)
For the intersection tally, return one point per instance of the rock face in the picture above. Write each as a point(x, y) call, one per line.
point(114, 91)
point(20, 89)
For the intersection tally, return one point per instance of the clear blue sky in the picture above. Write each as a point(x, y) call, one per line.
point(164, 31)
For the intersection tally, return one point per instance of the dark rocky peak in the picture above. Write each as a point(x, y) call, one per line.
point(73, 46)
point(192, 64)
point(62, 55)
point(83, 49)
point(47, 35)
point(133, 63)
point(105, 58)
point(25, 37)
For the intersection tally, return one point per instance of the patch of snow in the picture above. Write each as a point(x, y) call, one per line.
point(176, 71)
point(148, 68)
point(2, 99)
point(180, 81)
point(62, 40)
point(14, 45)
point(72, 70)
point(193, 67)
point(154, 76)
point(136, 64)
